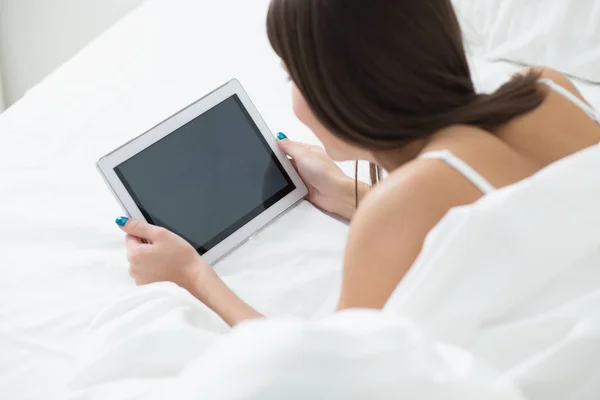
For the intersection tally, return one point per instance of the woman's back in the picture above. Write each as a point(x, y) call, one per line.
point(457, 166)
point(562, 125)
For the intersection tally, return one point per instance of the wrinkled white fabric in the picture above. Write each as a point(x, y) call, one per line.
point(505, 297)
point(560, 34)
point(160, 343)
point(515, 279)
point(352, 355)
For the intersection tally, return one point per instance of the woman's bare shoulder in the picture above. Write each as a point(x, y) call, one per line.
point(390, 226)
point(388, 230)
point(557, 77)
point(558, 128)
point(429, 186)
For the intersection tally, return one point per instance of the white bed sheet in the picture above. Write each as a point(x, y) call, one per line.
point(62, 258)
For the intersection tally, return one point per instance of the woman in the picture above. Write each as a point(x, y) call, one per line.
point(388, 81)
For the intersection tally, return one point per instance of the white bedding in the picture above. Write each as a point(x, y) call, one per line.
point(563, 35)
point(61, 257)
point(512, 316)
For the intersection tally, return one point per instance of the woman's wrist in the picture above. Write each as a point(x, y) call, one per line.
point(348, 196)
point(214, 293)
point(202, 281)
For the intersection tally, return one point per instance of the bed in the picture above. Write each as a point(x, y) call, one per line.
point(62, 258)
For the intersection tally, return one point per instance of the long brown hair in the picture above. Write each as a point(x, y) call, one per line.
point(383, 73)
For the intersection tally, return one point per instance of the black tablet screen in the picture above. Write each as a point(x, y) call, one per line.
point(208, 178)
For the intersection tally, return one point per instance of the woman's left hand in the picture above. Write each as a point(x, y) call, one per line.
point(167, 257)
point(158, 255)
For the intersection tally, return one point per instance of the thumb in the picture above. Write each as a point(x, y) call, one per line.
point(290, 148)
point(137, 228)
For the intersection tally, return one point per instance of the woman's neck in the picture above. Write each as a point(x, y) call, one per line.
point(392, 159)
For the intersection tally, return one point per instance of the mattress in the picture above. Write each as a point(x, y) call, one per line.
point(62, 258)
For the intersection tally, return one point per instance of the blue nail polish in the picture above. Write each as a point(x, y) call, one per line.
point(121, 221)
point(281, 136)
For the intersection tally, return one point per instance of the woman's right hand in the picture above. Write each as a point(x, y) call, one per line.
point(328, 187)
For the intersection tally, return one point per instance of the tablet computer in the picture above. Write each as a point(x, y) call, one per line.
point(212, 173)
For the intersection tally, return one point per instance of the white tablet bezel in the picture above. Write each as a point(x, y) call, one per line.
point(107, 164)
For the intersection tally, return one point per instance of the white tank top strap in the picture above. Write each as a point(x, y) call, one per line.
point(463, 168)
point(593, 114)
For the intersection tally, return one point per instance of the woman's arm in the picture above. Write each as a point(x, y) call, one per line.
point(158, 255)
point(328, 187)
point(346, 200)
point(389, 229)
point(212, 291)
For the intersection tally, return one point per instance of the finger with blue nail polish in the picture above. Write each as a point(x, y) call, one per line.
point(281, 136)
point(121, 221)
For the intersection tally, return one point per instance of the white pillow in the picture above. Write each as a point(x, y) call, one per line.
point(561, 34)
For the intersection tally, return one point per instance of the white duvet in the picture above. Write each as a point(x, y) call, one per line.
point(502, 302)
